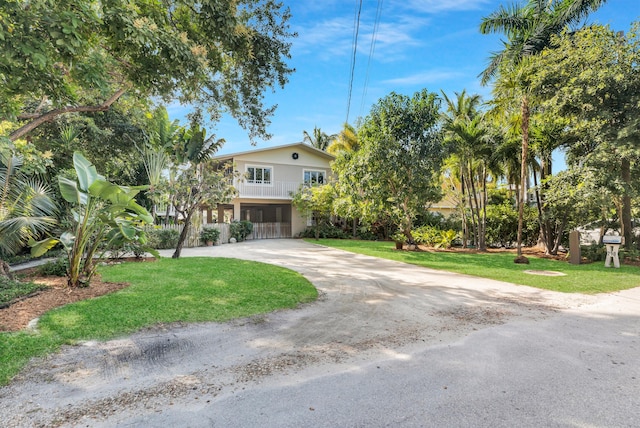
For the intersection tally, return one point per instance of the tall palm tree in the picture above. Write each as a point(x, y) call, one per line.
point(469, 141)
point(529, 28)
point(318, 139)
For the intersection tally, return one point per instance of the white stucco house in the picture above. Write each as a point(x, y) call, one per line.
point(268, 178)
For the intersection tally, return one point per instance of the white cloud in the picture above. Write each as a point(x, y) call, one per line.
point(426, 77)
point(334, 38)
point(436, 6)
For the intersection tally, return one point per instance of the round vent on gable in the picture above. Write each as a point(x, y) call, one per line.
point(294, 155)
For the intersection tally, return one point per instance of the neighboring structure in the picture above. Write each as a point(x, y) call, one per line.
point(268, 178)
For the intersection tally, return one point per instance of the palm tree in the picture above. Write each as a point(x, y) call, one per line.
point(529, 28)
point(469, 141)
point(346, 141)
point(319, 139)
point(26, 205)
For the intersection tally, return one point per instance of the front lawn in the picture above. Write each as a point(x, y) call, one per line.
point(169, 290)
point(586, 278)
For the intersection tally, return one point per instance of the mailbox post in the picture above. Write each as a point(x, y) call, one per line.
point(613, 245)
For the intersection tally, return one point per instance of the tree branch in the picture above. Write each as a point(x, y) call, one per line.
point(39, 119)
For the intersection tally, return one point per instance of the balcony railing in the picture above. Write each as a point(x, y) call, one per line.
point(276, 190)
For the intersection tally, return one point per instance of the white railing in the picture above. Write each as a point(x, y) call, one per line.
point(276, 190)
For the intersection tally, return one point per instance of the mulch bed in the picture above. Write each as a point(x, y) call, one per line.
point(17, 316)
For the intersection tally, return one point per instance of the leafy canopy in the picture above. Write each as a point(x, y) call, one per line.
point(221, 54)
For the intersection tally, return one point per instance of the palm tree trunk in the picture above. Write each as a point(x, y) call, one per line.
point(524, 107)
point(625, 218)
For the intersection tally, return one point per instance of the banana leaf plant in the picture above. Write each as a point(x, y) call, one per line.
point(104, 213)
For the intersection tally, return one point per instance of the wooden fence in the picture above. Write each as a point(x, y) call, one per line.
point(270, 231)
point(260, 231)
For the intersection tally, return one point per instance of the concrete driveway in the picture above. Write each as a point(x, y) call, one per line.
point(387, 344)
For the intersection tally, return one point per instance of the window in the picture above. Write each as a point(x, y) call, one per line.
point(312, 178)
point(259, 174)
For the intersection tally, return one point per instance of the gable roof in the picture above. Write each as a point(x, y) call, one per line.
point(299, 145)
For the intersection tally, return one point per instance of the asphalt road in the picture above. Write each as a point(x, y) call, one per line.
point(387, 344)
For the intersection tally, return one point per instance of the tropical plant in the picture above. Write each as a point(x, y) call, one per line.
point(345, 141)
point(603, 119)
point(104, 213)
point(200, 179)
point(397, 169)
point(315, 202)
point(318, 139)
point(27, 207)
point(469, 140)
point(528, 28)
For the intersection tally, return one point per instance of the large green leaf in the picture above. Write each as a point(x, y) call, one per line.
point(41, 247)
point(104, 190)
point(69, 190)
point(85, 170)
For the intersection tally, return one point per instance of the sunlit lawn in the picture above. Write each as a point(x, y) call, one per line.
point(586, 278)
point(186, 290)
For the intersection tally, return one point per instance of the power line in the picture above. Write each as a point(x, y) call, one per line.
point(372, 49)
point(356, 30)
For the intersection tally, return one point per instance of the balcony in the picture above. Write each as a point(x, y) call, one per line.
point(275, 190)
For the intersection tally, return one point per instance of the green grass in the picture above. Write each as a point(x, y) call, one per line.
point(187, 290)
point(586, 278)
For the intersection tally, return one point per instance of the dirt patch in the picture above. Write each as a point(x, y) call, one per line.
point(17, 316)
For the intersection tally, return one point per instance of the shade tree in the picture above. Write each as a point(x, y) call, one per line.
point(61, 57)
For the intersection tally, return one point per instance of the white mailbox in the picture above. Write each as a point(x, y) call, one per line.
point(613, 243)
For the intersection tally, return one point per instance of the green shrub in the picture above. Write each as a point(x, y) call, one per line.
point(325, 231)
point(162, 239)
point(240, 229)
point(57, 267)
point(426, 235)
point(593, 253)
point(209, 234)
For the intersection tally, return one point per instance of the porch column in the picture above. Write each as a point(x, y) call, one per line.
point(236, 210)
point(220, 213)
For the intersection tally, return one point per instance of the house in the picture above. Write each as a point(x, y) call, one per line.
point(268, 178)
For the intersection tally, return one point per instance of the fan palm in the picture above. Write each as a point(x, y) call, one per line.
point(529, 28)
point(26, 206)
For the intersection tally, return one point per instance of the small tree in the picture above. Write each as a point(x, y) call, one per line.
point(315, 201)
point(400, 158)
point(202, 183)
point(104, 213)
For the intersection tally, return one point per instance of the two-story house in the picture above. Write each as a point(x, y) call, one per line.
point(268, 178)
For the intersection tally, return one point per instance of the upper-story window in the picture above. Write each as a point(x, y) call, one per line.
point(259, 174)
point(313, 177)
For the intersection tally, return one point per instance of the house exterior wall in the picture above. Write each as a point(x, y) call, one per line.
point(288, 164)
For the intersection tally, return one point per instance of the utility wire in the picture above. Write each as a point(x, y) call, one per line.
point(372, 50)
point(356, 30)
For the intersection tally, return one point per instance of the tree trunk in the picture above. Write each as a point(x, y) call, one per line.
point(183, 235)
point(523, 169)
point(625, 218)
point(465, 230)
point(4, 269)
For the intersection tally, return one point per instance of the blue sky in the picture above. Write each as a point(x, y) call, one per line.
point(433, 44)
